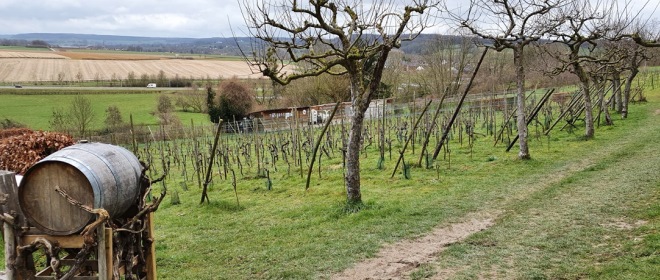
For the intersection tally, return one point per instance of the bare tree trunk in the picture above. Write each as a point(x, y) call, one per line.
point(626, 92)
point(588, 112)
point(520, 96)
point(586, 95)
point(603, 104)
point(603, 110)
point(616, 89)
point(353, 194)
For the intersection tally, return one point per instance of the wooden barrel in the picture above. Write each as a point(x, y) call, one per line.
point(97, 175)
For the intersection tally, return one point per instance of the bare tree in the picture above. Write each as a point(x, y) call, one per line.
point(82, 114)
point(512, 24)
point(60, 120)
point(113, 119)
point(337, 37)
point(315, 90)
point(631, 56)
point(165, 112)
point(447, 58)
point(61, 76)
point(647, 35)
point(192, 100)
point(79, 77)
point(585, 25)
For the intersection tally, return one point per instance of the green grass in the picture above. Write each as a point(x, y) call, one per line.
point(557, 212)
point(35, 111)
point(21, 48)
point(293, 234)
point(599, 220)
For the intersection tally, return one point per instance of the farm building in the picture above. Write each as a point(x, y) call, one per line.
point(285, 118)
point(278, 119)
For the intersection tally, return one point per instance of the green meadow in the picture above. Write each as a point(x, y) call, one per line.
point(35, 111)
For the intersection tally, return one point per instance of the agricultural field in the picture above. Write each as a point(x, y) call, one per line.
point(25, 66)
point(36, 111)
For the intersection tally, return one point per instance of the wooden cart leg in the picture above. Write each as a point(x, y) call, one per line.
point(10, 251)
point(102, 256)
point(109, 259)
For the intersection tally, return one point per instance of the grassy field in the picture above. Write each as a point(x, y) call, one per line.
point(578, 209)
point(36, 111)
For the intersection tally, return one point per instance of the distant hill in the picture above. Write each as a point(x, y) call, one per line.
point(215, 45)
point(70, 39)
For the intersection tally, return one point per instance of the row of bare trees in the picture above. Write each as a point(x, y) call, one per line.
point(354, 38)
point(594, 40)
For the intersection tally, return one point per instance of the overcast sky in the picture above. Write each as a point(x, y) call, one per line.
point(154, 18)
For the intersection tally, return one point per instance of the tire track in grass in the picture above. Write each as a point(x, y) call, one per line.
point(567, 229)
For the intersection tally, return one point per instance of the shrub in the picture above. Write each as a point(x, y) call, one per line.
point(233, 101)
point(8, 123)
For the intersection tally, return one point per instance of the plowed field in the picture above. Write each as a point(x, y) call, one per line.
point(42, 66)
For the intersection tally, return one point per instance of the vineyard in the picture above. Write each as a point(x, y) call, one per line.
point(426, 134)
point(262, 222)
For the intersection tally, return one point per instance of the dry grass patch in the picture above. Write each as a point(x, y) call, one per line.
point(108, 56)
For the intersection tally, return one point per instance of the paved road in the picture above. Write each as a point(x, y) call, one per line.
point(91, 88)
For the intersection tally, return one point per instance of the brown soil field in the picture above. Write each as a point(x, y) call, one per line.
point(39, 69)
point(28, 54)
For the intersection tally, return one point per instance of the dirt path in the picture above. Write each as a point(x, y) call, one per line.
point(397, 260)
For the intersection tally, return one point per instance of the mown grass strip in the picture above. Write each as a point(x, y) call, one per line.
point(598, 221)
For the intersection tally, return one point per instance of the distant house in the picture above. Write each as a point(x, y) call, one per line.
point(278, 119)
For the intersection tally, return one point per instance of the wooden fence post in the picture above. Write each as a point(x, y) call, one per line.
point(8, 193)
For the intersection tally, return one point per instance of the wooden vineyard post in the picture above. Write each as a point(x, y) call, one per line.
point(151, 257)
point(445, 133)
